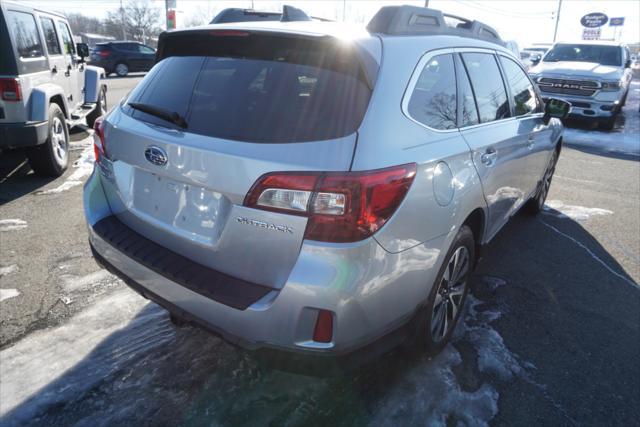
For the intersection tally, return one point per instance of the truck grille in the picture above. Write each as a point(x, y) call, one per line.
point(568, 87)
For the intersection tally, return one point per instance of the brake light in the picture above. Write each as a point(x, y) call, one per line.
point(323, 332)
point(10, 89)
point(341, 206)
point(103, 53)
point(99, 147)
point(229, 33)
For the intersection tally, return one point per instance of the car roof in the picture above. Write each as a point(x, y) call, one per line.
point(27, 8)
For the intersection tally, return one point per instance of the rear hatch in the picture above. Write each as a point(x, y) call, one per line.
point(248, 104)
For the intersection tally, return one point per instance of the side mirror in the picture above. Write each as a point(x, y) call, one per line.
point(83, 50)
point(535, 60)
point(556, 108)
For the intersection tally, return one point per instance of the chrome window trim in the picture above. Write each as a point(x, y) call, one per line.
point(452, 50)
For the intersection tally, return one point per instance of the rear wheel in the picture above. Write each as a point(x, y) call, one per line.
point(535, 205)
point(122, 69)
point(435, 322)
point(101, 107)
point(52, 157)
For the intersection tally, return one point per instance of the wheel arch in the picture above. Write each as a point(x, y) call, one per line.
point(476, 221)
point(40, 99)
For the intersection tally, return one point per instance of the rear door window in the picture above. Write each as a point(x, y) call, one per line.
point(270, 89)
point(433, 99)
point(50, 36)
point(25, 34)
point(488, 87)
point(524, 96)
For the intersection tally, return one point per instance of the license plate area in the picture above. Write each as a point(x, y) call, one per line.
point(181, 207)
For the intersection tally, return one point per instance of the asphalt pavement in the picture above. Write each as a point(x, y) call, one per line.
point(550, 336)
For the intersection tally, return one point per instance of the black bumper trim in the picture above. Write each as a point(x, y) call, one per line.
point(220, 287)
point(17, 135)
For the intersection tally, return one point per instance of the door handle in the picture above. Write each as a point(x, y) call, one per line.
point(530, 142)
point(68, 72)
point(488, 158)
point(54, 70)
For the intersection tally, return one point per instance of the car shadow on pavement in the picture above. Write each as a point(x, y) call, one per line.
point(567, 308)
point(16, 176)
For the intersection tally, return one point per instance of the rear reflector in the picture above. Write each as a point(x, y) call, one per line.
point(323, 331)
point(341, 206)
point(99, 147)
point(10, 89)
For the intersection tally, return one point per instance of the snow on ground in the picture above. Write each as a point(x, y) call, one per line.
point(9, 269)
point(6, 294)
point(576, 213)
point(83, 168)
point(120, 360)
point(12, 224)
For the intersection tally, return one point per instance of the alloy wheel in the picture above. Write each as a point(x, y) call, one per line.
point(59, 141)
point(546, 181)
point(450, 294)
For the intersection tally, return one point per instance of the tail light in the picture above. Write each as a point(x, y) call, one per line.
point(341, 206)
point(99, 147)
point(103, 53)
point(10, 89)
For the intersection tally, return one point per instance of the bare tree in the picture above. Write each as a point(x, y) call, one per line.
point(202, 15)
point(80, 23)
point(140, 20)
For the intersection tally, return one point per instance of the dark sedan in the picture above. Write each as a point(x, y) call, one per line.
point(123, 57)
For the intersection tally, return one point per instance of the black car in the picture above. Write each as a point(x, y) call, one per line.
point(123, 57)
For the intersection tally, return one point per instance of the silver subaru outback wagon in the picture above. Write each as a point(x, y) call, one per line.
point(317, 189)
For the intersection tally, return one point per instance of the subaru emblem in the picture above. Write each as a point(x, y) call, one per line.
point(156, 155)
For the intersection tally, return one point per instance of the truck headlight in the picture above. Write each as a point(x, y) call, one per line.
point(612, 86)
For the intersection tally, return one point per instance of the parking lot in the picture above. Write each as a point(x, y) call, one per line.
point(551, 332)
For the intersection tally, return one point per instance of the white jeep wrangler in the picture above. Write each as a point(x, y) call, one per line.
point(45, 86)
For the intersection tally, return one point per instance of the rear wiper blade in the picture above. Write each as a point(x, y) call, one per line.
point(170, 116)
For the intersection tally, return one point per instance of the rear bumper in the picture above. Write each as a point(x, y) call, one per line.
point(16, 135)
point(372, 293)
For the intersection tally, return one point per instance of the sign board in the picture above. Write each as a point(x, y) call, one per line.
point(616, 22)
point(591, 34)
point(594, 20)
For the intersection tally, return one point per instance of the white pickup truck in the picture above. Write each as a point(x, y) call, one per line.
point(593, 76)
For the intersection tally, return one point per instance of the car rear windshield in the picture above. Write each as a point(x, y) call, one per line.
point(605, 55)
point(257, 88)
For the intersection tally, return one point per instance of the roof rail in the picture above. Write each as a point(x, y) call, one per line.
point(414, 20)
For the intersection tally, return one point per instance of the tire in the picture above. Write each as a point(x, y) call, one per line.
point(121, 69)
point(101, 107)
point(536, 203)
point(607, 124)
point(52, 157)
point(430, 333)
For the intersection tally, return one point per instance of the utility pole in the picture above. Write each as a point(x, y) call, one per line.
point(426, 3)
point(555, 32)
point(124, 32)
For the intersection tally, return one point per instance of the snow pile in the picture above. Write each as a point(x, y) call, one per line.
point(576, 213)
point(83, 166)
point(12, 224)
point(9, 269)
point(8, 293)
